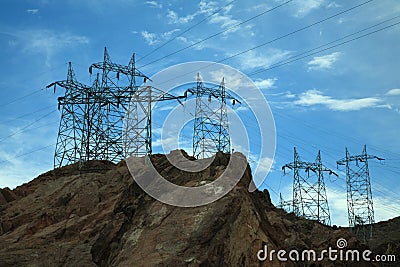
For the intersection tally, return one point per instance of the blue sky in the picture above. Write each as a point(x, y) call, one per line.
point(348, 95)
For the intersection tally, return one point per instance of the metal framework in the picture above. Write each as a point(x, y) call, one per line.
point(211, 130)
point(71, 129)
point(359, 193)
point(285, 204)
point(109, 120)
point(309, 193)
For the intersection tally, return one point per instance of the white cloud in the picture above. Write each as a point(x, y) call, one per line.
point(289, 94)
point(263, 6)
point(18, 163)
point(393, 92)
point(46, 42)
point(174, 18)
point(304, 7)
point(315, 97)
point(223, 18)
point(153, 38)
point(384, 205)
point(226, 21)
point(265, 164)
point(194, 43)
point(337, 201)
point(168, 34)
point(150, 38)
point(323, 62)
point(32, 11)
point(253, 59)
point(207, 8)
point(38, 40)
point(333, 5)
point(154, 4)
point(265, 83)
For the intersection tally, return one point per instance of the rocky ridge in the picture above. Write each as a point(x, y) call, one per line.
point(67, 218)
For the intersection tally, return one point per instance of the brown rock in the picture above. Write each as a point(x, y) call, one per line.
point(103, 218)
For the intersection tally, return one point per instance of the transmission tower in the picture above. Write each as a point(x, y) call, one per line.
point(309, 193)
point(284, 204)
point(359, 194)
point(211, 133)
point(116, 89)
point(71, 129)
point(109, 120)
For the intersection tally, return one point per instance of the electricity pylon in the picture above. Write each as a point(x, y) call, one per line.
point(109, 120)
point(211, 131)
point(309, 193)
point(359, 194)
point(284, 204)
point(71, 128)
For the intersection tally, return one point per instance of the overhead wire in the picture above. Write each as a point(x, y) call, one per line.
point(26, 114)
point(279, 38)
point(33, 92)
point(29, 152)
point(219, 33)
point(322, 50)
point(26, 126)
point(21, 98)
point(185, 31)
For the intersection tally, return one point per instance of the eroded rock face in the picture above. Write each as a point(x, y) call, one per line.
point(63, 218)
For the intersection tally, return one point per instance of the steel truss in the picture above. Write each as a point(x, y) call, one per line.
point(109, 120)
point(211, 130)
point(309, 192)
point(359, 194)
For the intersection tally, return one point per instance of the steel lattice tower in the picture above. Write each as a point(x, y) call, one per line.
point(71, 129)
point(359, 194)
point(116, 89)
point(211, 133)
point(283, 204)
point(309, 193)
point(109, 120)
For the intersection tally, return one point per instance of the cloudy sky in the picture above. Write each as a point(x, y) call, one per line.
point(329, 70)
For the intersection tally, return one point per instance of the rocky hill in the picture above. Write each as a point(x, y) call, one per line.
point(67, 218)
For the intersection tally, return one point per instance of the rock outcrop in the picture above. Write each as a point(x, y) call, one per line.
point(67, 218)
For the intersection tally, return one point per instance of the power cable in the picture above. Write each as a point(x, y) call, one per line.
point(322, 50)
point(218, 33)
point(284, 36)
point(26, 114)
point(27, 126)
point(29, 152)
point(185, 31)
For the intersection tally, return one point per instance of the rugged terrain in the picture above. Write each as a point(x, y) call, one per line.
point(103, 218)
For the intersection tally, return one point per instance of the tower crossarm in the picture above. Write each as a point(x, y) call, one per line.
point(217, 91)
point(109, 66)
point(77, 86)
point(117, 68)
point(360, 158)
point(212, 91)
point(307, 166)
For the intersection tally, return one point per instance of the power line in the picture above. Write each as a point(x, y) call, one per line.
point(26, 114)
point(27, 126)
point(279, 38)
point(322, 50)
point(20, 98)
point(185, 31)
point(298, 30)
point(29, 152)
point(219, 33)
point(34, 92)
